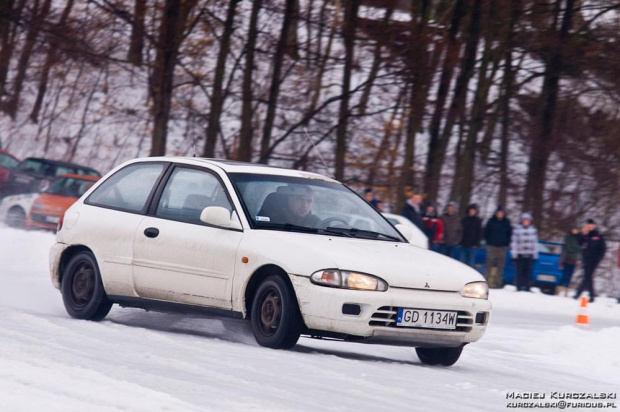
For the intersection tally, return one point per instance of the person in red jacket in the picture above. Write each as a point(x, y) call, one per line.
point(432, 226)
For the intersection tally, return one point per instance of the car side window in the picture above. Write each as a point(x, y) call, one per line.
point(188, 192)
point(129, 188)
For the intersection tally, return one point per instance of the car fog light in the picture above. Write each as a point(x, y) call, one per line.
point(477, 290)
point(348, 280)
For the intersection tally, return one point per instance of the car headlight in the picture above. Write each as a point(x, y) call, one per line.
point(477, 290)
point(348, 280)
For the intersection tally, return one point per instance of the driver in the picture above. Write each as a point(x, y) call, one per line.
point(299, 205)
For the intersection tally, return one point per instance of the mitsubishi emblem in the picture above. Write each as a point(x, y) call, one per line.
point(427, 286)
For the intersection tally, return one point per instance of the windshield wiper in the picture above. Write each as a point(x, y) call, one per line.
point(354, 232)
point(289, 227)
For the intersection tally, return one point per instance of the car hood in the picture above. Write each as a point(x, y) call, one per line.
point(54, 204)
point(400, 264)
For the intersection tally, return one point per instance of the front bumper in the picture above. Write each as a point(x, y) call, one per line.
point(322, 310)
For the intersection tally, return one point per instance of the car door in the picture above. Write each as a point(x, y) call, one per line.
point(179, 258)
point(112, 213)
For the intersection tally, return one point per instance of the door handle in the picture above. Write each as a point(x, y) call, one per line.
point(151, 232)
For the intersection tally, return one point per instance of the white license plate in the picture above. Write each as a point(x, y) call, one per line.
point(546, 278)
point(420, 318)
point(52, 219)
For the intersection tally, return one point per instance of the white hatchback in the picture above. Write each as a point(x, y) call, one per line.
point(296, 253)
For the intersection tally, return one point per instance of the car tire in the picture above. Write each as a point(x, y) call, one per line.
point(439, 356)
point(275, 317)
point(16, 218)
point(82, 290)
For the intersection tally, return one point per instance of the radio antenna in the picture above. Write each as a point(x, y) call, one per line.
point(319, 153)
point(194, 149)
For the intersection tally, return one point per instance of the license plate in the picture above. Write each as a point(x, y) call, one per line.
point(53, 219)
point(546, 278)
point(420, 318)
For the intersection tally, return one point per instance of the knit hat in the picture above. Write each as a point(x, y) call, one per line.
point(590, 222)
point(500, 208)
point(526, 216)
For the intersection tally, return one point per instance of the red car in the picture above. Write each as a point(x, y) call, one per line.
point(8, 162)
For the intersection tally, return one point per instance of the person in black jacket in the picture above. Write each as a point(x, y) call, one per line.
point(592, 252)
point(472, 235)
point(497, 233)
point(413, 210)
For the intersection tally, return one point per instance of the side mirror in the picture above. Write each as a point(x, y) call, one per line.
point(405, 231)
point(220, 216)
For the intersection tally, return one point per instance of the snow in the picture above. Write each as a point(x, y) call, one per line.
point(144, 361)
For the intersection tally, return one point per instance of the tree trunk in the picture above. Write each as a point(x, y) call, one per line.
point(34, 26)
point(544, 140)
point(50, 60)
point(246, 133)
point(6, 51)
point(350, 23)
point(459, 99)
point(274, 89)
point(217, 97)
point(376, 62)
point(170, 34)
point(453, 50)
point(136, 43)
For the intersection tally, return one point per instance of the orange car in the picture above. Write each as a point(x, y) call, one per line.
point(49, 207)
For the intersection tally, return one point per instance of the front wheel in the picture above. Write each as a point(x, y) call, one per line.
point(439, 356)
point(16, 218)
point(276, 321)
point(82, 289)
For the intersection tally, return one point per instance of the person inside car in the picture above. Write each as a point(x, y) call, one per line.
point(299, 205)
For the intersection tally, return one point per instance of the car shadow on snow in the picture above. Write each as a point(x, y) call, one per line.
point(354, 355)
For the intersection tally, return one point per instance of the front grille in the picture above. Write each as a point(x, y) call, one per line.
point(38, 218)
point(386, 316)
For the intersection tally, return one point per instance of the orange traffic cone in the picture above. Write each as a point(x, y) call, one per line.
point(582, 317)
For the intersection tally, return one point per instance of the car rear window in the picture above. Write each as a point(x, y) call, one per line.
point(129, 188)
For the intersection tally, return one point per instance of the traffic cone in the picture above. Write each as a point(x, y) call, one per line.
point(582, 317)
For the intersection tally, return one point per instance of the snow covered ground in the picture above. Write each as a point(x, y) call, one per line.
point(139, 361)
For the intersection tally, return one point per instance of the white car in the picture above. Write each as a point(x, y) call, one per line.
point(14, 209)
point(294, 252)
point(416, 236)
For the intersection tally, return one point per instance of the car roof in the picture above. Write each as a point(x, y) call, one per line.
point(8, 153)
point(82, 177)
point(58, 162)
point(231, 166)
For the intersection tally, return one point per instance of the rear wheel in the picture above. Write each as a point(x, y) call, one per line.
point(16, 217)
point(276, 321)
point(82, 289)
point(439, 356)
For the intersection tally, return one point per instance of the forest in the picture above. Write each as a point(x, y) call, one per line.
point(511, 102)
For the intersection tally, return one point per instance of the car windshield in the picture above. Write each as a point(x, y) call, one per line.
point(309, 205)
point(7, 162)
point(69, 186)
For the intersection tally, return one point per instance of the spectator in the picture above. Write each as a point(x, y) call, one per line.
point(452, 230)
point(471, 226)
point(369, 195)
point(524, 250)
point(379, 206)
point(568, 260)
point(592, 252)
point(433, 226)
point(413, 209)
point(497, 233)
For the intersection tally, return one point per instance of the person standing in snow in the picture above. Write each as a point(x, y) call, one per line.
point(413, 209)
point(452, 230)
point(369, 196)
point(592, 251)
point(568, 260)
point(471, 226)
point(433, 226)
point(497, 234)
point(524, 251)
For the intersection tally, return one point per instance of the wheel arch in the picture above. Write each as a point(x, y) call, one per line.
point(256, 279)
point(66, 256)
